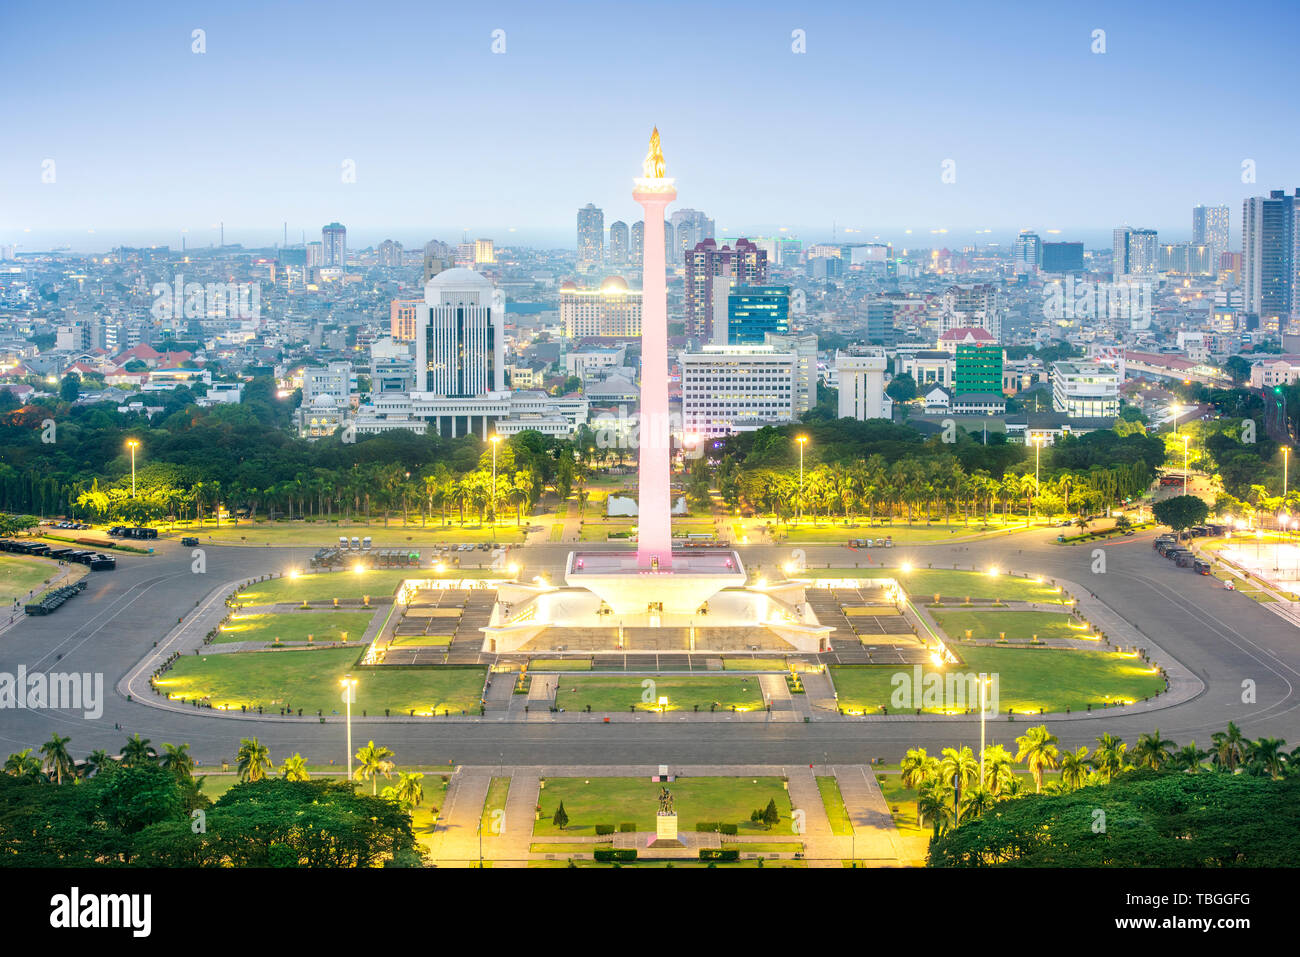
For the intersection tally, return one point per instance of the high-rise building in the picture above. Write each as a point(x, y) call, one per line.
point(1270, 242)
point(460, 336)
point(591, 237)
point(618, 238)
point(611, 312)
point(1210, 228)
point(1084, 390)
point(1135, 254)
point(977, 306)
point(804, 350)
point(1188, 259)
point(636, 243)
point(755, 311)
point(437, 257)
point(334, 240)
point(690, 228)
point(315, 255)
point(1062, 257)
point(403, 317)
point(485, 253)
point(880, 323)
point(1029, 252)
point(390, 254)
point(745, 265)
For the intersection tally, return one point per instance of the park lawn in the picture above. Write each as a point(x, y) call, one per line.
point(559, 664)
point(923, 584)
point(421, 641)
point(918, 534)
point(793, 845)
point(375, 582)
point(618, 693)
point(754, 664)
point(20, 575)
point(217, 783)
point(494, 802)
point(1052, 679)
point(323, 533)
point(557, 532)
point(1018, 625)
point(616, 800)
point(565, 847)
point(309, 679)
point(833, 801)
point(323, 626)
point(599, 531)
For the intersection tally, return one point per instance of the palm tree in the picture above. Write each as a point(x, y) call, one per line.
point(961, 766)
point(1230, 748)
point(96, 762)
point(977, 801)
point(1038, 749)
point(1074, 768)
point(57, 760)
point(1110, 758)
point(23, 765)
point(176, 759)
point(253, 760)
point(1267, 757)
point(1152, 751)
point(917, 768)
point(409, 790)
point(1188, 758)
point(998, 773)
point(933, 801)
point(374, 761)
point(295, 768)
point(138, 752)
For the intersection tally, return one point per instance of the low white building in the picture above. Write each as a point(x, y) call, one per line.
point(1085, 390)
point(861, 384)
point(738, 388)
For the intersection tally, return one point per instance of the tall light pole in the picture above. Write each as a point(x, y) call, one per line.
point(984, 682)
point(802, 440)
point(496, 439)
point(132, 444)
point(1186, 475)
point(349, 695)
point(1286, 464)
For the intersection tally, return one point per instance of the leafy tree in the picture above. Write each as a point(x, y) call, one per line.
point(771, 816)
point(70, 387)
point(561, 817)
point(902, 387)
point(1181, 511)
point(138, 752)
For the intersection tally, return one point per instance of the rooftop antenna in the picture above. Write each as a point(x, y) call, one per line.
point(223, 234)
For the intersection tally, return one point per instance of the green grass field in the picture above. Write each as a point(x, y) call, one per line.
point(1018, 625)
point(421, 641)
point(754, 664)
point(618, 693)
point(1028, 679)
point(323, 586)
point(494, 806)
point(615, 800)
point(323, 626)
point(19, 575)
point(309, 680)
point(833, 801)
point(328, 533)
point(901, 533)
point(923, 584)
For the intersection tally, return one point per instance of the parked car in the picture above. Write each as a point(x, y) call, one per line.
point(1201, 566)
point(189, 541)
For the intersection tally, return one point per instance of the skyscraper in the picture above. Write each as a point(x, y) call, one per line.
point(977, 306)
point(1029, 252)
point(618, 238)
point(755, 311)
point(485, 253)
point(390, 254)
point(880, 323)
point(460, 336)
point(1270, 243)
point(1210, 228)
point(591, 237)
point(636, 245)
point(1062, 257)
point(746, 265)
point(334, 240)
point(1136, 255)
point(690, 228)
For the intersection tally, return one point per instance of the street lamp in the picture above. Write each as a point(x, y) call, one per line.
point(984, 683)
point(1286, 463)
point(349, 684)
point(1186, 439)
point(132, 444)
point(802, 440)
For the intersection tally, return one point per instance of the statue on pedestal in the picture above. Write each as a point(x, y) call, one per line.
point(666, 801)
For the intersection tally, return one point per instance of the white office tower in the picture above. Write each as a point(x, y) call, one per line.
point(727, 389)
point(861, 383)
point(460, 336)
point(1029, 252)
point(1210, 228)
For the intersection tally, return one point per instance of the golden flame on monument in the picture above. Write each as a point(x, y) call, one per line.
point(654, 167)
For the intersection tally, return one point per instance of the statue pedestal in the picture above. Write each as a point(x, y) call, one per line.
point(666, 831)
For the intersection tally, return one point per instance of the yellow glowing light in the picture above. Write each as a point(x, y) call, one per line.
point(293, 573)
point(358, 568)
point(513, 568)
point(937, 659)
point(905, 567)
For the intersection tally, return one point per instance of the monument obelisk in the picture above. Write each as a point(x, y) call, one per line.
point(654, 192)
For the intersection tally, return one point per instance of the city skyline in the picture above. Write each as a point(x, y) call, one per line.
point(236, 136)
